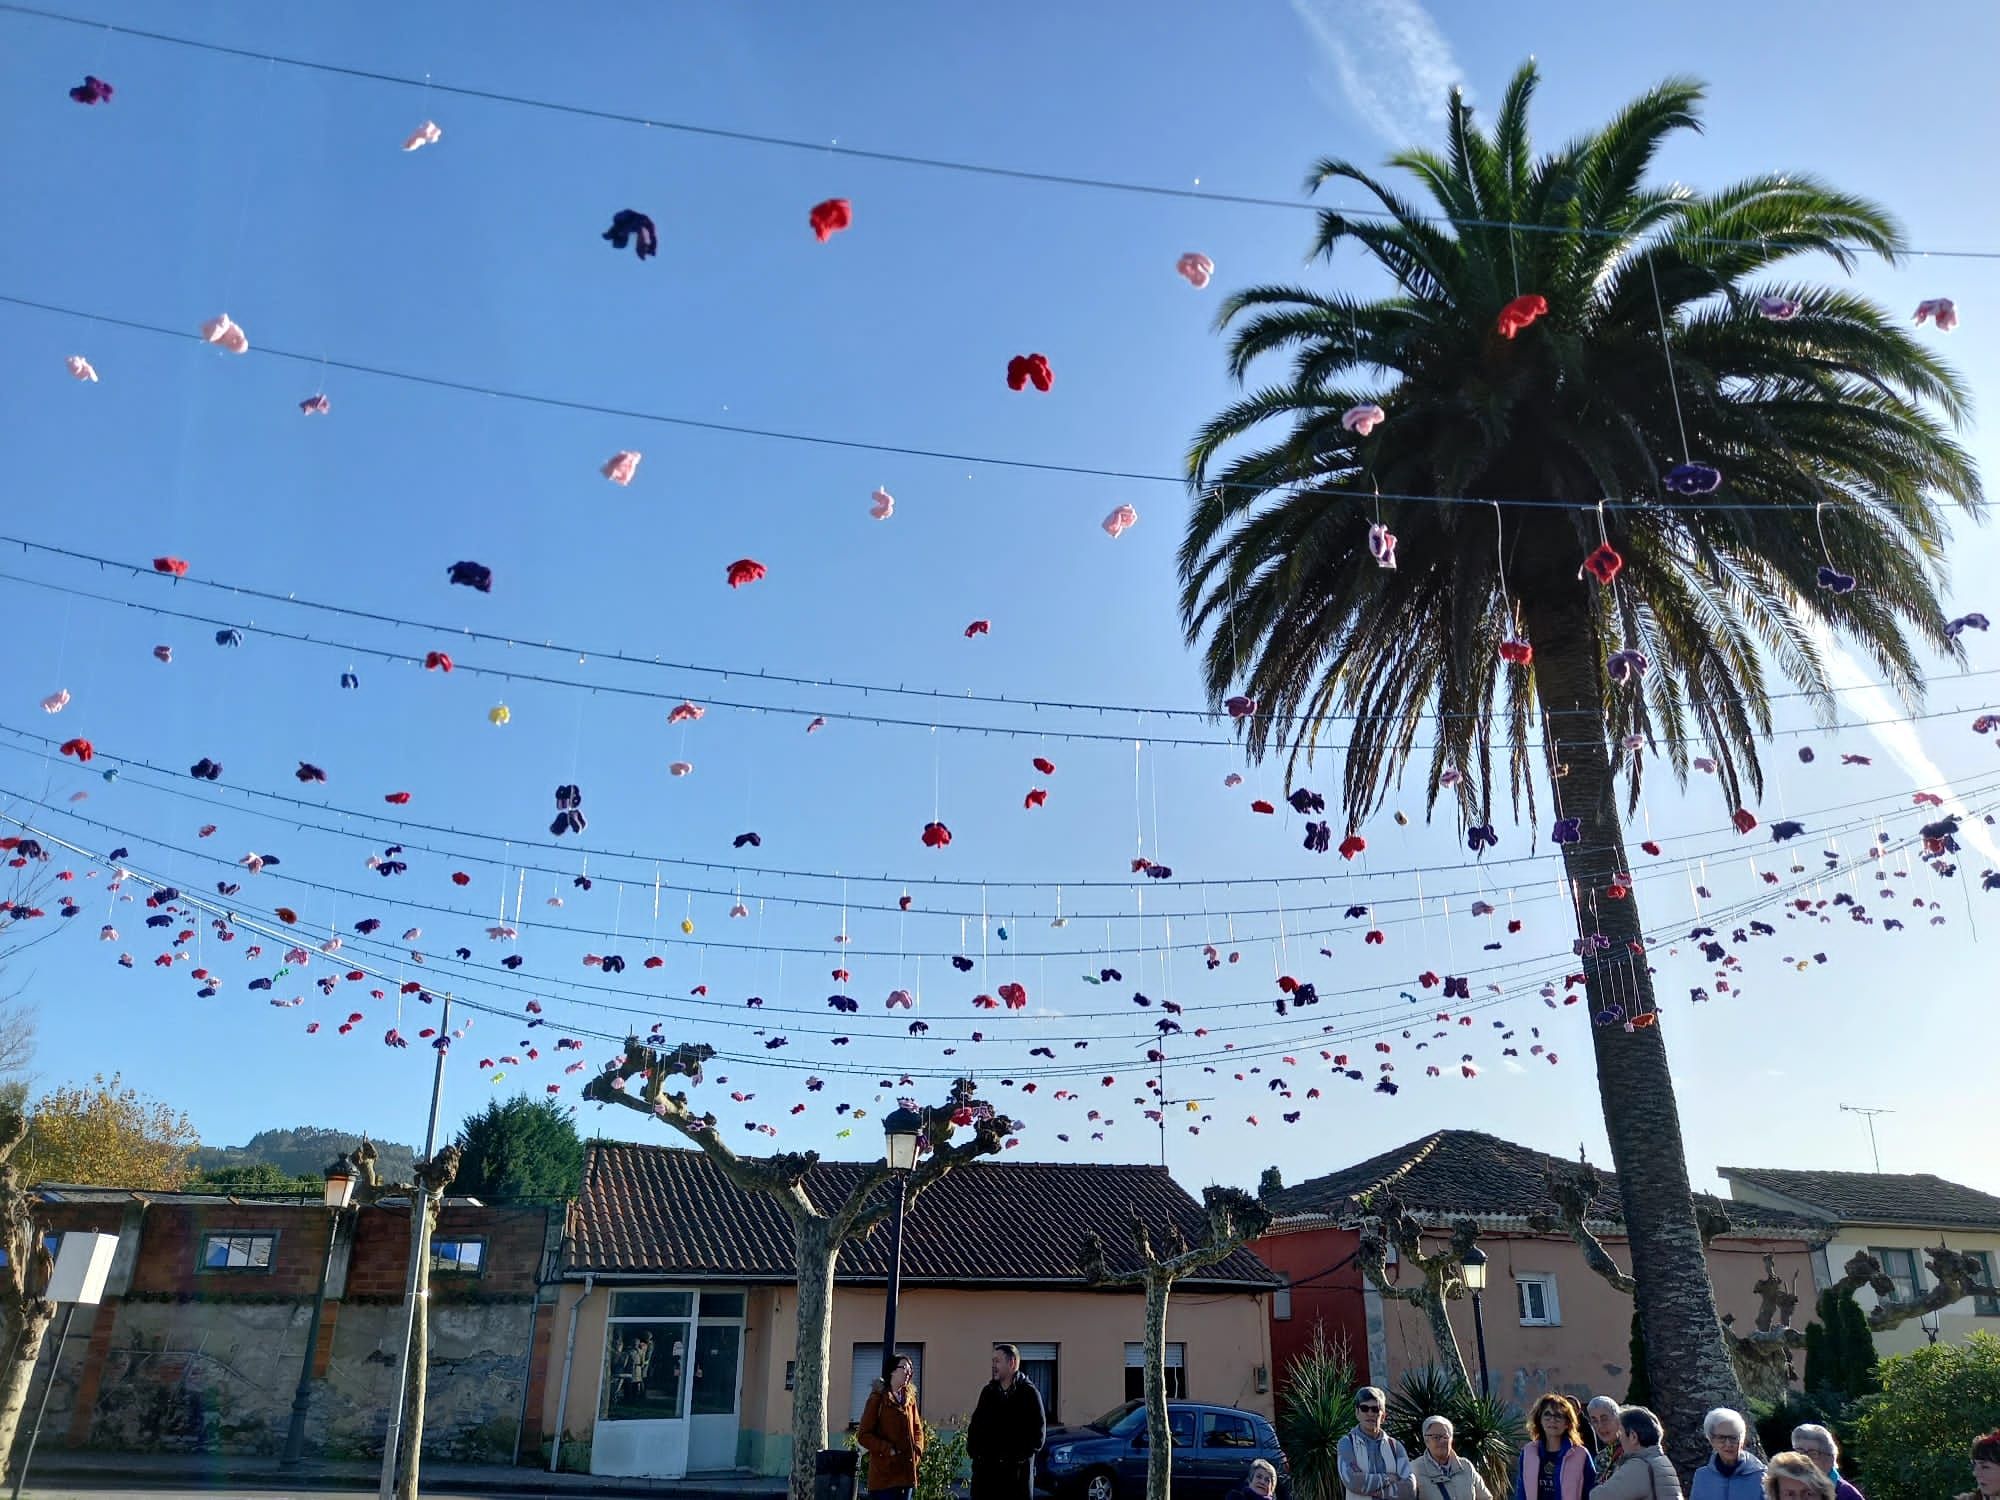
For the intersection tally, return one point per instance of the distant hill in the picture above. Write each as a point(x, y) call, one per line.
point(304, 1150)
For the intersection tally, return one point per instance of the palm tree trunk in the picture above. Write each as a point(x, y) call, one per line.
point(1686, 1362)
point(817, 1251)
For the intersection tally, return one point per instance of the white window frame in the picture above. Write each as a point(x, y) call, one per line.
point(1050, 1355)
point(1986, 1307)
point(1551, 1308)
point(248, 1240)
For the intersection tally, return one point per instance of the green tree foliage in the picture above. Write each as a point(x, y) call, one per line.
point(1917, 1433)
point(525, 1149)
point(260, 1180)
point(1841, 1363)
point(1638, 1390)
point(1486, 1430)
point(1315, 1413)
point(107, 1135)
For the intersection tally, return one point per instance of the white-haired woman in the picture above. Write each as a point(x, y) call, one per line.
point(1373, 1465)
point(1602, 1414)
point(1819, 1444)
point(1732, 1472)
point(1440, 1473)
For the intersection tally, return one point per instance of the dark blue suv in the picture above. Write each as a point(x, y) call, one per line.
point(1106, 1459)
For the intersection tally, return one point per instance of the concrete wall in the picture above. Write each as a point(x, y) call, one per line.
point(1588, 1353)
point(1227, 1337)
point(1955, 1323)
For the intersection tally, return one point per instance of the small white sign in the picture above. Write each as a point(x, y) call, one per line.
point(83, 1261)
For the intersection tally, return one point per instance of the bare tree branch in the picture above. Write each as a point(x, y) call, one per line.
point(1439, 1275)
point(1574, 1189)
point(1954, 1276)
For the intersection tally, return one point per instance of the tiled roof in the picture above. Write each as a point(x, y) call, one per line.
point(1467, 1172)
point(653, 1210)
point(1918, 1199)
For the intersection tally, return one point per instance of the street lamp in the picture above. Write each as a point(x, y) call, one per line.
point(1472, 1270)
point(337, 1194)
point(902, 1130)
point(1929, 1323)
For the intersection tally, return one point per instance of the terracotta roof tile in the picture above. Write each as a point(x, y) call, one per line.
point(655, 1210)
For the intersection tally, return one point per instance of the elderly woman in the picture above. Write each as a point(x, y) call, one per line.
point(1985, 1468)
point(1732, 1471)
point(1644, 1472)
point(1554, 1464)
point(1373, 1465)
point(1794, 1476)
point(1261, 1483)
point(1818, 1444)
point(1603, 1415)
point(1439, 1473)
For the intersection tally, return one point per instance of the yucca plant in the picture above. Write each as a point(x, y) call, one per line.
point(1665, 340)
point(1486, 1430)
point(1317, 1411)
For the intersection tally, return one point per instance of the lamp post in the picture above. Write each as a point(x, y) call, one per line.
point(338, 1193)
point(1930, 1325)
point(1472, 1270)
point(902, 1130)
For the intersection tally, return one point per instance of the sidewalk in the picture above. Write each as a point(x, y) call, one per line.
point(80, 1471)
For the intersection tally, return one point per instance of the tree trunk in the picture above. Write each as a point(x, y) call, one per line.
point(409, 1456)
point(30, 1324)
point(812, 1241)
point(1159, 1433)
point(1447, 1340)
point(1687, 1365)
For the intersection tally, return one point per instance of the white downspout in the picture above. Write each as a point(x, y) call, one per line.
point(569, 1358)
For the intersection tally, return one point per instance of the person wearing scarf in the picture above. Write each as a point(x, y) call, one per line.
point(1439, 1473)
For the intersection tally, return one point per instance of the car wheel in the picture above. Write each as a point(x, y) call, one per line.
point(1100, 1484)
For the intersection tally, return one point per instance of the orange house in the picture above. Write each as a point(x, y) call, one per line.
point(670, 1344)
point(1551, 1322)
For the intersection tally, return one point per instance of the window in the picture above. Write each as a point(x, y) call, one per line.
point(1281, 1304)
point(1228, 1429)
point(238, 1252)
point(50, 1242)
point(457, 1257)
point(645, 1355)
point(1038, 1368)
point(1900, 1266)
point(1537, 1293)
point(868, 1370)
point(1985, 1307)
point(1135, 1374)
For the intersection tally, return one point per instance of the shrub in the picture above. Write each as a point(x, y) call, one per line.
point(1918, 1432)
point(938, 1472)
point(1840, 1351)
point(1488, 1431)
point(1316, 1412)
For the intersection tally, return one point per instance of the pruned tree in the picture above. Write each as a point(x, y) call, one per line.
point(1233, 1217)
point(639, 1081)
point(1761, 1358)
point(1954, 1277)
point(434, 1177)
point(1438, 1274)
point(25, 1312)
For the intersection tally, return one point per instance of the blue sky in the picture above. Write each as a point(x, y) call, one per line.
point(214, 183)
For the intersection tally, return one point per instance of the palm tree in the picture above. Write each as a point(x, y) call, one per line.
point(1831, 427)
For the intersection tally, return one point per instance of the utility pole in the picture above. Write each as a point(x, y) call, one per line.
point(1867, 1113)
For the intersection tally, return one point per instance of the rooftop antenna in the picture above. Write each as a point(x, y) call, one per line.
point(1869, 1115)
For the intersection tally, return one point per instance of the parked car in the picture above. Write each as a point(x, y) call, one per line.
point(1106, 1459)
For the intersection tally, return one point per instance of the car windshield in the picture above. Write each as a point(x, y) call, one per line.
point(1121, 1419)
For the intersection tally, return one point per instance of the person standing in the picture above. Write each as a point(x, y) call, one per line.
point(1555, 1465)
point(1644, 1472)
point(1603, 1415)
point(1373, 1465)
point(1818, 1444)
point(892, 1433)
point(1440, 1473)
point(1732, 1472)
point(1005, 1432)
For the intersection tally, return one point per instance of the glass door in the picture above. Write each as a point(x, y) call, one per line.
point(642, 1402)
point(716, 1381)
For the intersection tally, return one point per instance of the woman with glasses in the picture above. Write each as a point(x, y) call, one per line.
point(1732, 1472)
point(1373, 1465)
point(1440, 1473)
point(1818, 1444)
point(1555, 1464)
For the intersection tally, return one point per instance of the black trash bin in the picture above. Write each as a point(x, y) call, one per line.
point(835, 1472)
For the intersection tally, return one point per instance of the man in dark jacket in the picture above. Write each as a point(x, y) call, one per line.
point(1005, 1432)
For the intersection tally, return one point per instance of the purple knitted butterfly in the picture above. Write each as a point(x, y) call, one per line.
point(1694, 479)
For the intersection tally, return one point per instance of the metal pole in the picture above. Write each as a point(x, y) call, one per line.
point(895, 1273)
point(419, 1199)
point(21, 1474)
point(1479, 1334)
point(295, 1435)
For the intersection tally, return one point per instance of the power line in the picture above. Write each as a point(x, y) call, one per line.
point(759, 674)
point(774, 434)
point(856, 153)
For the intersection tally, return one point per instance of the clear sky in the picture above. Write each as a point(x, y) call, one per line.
point(212, 183)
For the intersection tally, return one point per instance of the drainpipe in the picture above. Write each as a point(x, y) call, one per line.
point(569, 1357)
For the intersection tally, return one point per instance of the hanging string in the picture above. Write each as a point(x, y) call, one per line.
point(1666, 350)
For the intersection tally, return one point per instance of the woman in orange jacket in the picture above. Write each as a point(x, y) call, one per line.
point(892, 1433)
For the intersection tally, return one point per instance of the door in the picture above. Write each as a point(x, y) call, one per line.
point(715, 1383)
point(642, 1428)
point(1229, 1442)
point(1132, 1468)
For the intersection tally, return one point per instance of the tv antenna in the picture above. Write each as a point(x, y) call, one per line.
point(1869, 1115)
